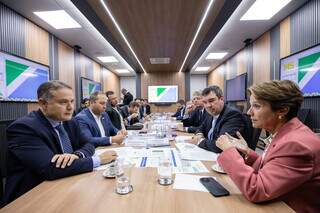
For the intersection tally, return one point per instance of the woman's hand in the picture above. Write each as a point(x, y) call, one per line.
point(226, 141)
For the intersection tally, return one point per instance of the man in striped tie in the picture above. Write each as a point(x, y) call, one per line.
point(46, 144)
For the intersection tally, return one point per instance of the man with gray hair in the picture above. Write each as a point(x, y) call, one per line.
point(95, 123)
point(46, 144)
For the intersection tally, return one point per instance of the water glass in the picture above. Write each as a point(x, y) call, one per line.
point(123, 185)
point(165, 172)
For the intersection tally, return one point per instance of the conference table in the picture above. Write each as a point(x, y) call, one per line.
point(91, 192)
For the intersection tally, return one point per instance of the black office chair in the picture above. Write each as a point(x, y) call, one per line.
point(252, 133)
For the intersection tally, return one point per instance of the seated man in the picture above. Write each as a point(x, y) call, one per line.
point(46, 144)
point(180, 111)
point(130, 113)
point(193, 120)
point(95, 123)
point(221, 119)
point(114, 111)
point(144, 109)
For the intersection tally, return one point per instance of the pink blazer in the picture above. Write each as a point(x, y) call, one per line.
point(290, 170)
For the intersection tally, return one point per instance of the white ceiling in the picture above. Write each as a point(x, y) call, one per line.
point(234, 32)
point(92, 43)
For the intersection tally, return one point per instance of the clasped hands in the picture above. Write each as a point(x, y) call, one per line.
point(226, 141)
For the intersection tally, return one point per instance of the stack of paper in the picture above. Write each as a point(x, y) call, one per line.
point(193, 152)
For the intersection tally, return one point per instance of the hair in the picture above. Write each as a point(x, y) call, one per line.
point(109, 93)
point(123, 90)
point(94, 96)
point(138, 99)
point(196, 93)
point(279, 94)
point(181, 101)
point(133, 104)
point(215, 89)
point(84, 100)
point(46, 89)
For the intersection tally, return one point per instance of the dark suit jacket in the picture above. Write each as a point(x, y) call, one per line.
point(90, 130)
point(114, 116)
point(127, 98)
point(125, 114)
point(195, 119)
point(179, 113)
point(230, 120)
point(141, 110)
point(32, 142)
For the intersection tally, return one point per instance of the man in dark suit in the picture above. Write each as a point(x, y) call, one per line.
point(180, 110)
point(127, 97)
point(96, 125)
point(130, 113)
point(114, 111)
point(223, 119)
point(46, 144)
point(144, 109)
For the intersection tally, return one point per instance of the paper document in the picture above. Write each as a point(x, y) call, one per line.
point(182, 138)
point(189, 182)
point(191, 167)
point(193, 152)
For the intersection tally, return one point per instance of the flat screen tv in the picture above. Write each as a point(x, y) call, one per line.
point(20, 78)
point(162, 94)
point(303, 68)
point(88, 87)
point(236, 88)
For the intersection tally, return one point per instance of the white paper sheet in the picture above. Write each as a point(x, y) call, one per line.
point(189, 182)
point(193, 152)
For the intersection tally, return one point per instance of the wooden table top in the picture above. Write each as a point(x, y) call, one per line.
point(91, 192)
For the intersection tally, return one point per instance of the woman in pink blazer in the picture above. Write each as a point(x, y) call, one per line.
point(289, 168)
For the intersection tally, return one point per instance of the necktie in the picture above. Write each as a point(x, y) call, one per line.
point(64, 139)
point(210, 133)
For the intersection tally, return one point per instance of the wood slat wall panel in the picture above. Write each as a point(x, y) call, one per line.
point(66, 64)
point(32, 107)
point(110, 81)
point(216, 77)
point(285, 38)
point(261, 59)
point(242, 62)
point(37, 43)
point(96, 71)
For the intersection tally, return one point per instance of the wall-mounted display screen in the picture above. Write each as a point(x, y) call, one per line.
point(237, 88)
point(162, 94)
point(20, 78)
point(88, 87)
point(304, 69)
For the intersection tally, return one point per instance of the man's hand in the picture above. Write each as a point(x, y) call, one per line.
point(123, 132)
point(63, 160)
point(107, 157)
point(134, 115)
point(195, 139)
point(118, 138)
point(180, 127)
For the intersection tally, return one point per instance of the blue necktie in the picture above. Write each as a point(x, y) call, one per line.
point(64, 139)
point(210, 133)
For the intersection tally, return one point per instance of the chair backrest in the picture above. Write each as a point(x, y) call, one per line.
point(252, 133)
point(303, 114)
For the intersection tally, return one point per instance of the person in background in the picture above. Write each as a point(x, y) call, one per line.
point(96, 125)
point(130, 113)
point(127, 97)
point(221, 119)
point(144, 109)
point(84, 104)
point(180, 110)
point(114, 111)
point(46, 144)
point(289, 168)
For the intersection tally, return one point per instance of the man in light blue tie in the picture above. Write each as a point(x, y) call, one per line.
point(46, 144)
point(221, 119)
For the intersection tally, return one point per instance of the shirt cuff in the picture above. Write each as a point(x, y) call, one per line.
point(186, 129)
point(110, 140)
point(96, 161)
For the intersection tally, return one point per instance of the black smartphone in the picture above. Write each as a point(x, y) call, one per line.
point(215, 188)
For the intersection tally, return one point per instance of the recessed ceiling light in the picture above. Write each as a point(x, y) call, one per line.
point(160, 60)
point(216, 55)
point(264, 9)
point(202, 68)
point(107, 59)
point(197, 32)
point(122, 71)
point(121, 33)
point(58, 19)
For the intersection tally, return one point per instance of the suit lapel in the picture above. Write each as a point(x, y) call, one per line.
point(93, 121)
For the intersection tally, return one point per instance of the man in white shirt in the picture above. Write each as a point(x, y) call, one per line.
point(96, 125)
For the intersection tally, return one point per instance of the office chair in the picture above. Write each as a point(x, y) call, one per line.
point(253, 134)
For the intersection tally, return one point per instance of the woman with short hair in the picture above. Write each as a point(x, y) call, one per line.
point(289, 168)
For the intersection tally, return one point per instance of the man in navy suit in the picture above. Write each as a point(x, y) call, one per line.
point(96, 125)
point(46, 144)
point(180, 110)
point(221, 119)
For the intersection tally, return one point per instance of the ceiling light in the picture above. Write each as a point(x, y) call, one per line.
point(197, 32)
point(216, 55)
point(120, 71)
point(160, 60)
point(264, 10)
point(107, 59)
point(202, 68)
point(59, 19)
point(121, 33)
